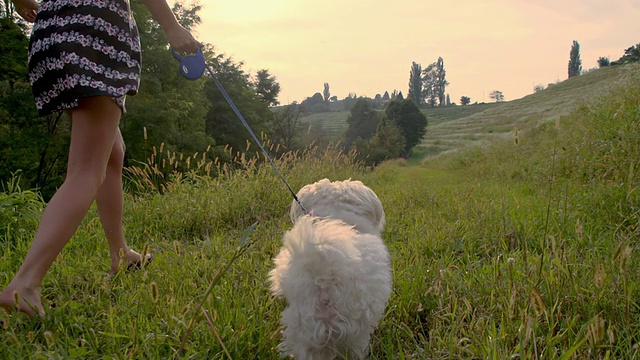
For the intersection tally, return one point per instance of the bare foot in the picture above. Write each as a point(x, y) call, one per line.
point(129, 260)
point(22, 299)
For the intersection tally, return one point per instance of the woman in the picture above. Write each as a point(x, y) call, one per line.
point(84, 58)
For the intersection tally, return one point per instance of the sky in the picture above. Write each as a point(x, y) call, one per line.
point(367, 47)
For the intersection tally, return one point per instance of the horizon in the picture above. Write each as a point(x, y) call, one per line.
point(367, 49)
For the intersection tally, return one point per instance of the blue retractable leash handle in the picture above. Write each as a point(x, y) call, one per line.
point(192, 67)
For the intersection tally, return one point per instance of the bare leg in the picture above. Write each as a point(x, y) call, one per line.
point(94, 128)
point(109, 200)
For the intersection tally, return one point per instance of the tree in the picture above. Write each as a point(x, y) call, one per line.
point(326, 94)
point(171, 108)
point(465, 100)
point(434, 83)
point(441, 82)
point(386, 143)
point(315, 104)
point(34, 144)
point(496, 95)
point(538, 87)
point(267, 87)
point(603, 61)
point(222, 124)
point(448, 100)
point(362, 121)
point(286, 125)
point(575, 64)
point(411, 122)
point(415, 83)
point(428, 85)
point(631, 54)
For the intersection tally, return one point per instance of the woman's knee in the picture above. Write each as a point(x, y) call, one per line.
point(116, 158)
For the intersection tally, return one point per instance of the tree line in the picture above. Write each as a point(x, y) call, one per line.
point(186, 116)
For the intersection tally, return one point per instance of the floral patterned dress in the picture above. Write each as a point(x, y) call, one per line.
point(83, 48)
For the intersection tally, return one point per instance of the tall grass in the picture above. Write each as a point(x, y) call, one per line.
point(192, 223)
point(518, 250)
point(19, 209)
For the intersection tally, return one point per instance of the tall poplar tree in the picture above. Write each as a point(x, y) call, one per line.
point(326, 93)
point(415, 83)
point(434, 83)
point(441, 82)
point(575, 64)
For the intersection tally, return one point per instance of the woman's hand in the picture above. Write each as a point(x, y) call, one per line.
point(180, 38)
point(27, 9)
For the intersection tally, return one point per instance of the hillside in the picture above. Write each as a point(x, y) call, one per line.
point(496, 121)
point(454, 128)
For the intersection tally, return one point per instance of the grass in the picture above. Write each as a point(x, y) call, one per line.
point(514, 249)
point(334, 124)
point(495, 122)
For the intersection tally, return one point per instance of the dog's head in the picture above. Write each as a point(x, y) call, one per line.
point(349, 201)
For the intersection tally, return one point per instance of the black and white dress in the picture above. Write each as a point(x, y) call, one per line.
point(83, 48)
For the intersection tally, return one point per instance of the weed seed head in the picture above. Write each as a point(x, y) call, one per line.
point(624, 256)
point(153, 292)
point(48, 337)
point(598, 277)
point(176, 247)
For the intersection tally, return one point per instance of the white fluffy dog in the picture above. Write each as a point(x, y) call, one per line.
point(334, 272)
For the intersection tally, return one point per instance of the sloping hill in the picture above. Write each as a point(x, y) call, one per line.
point(458, 127)
point(447, 132)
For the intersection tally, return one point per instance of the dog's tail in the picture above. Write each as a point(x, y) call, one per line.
point(331, 291)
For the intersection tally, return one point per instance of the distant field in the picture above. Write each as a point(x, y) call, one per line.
point(457, 127)
point(333, 123)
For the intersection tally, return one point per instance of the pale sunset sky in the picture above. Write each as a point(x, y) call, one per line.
point(366, 47)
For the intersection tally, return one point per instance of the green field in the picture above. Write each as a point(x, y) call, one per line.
point(459, 127)
point(517, 248)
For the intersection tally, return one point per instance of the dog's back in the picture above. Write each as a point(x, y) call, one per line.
point(336, 281)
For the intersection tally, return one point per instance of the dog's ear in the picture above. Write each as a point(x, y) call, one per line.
point(377, 209)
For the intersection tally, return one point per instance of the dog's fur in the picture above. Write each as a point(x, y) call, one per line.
point(334, 272)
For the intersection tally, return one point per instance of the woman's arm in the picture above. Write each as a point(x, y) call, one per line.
point(179, 37)
point(27, 9)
